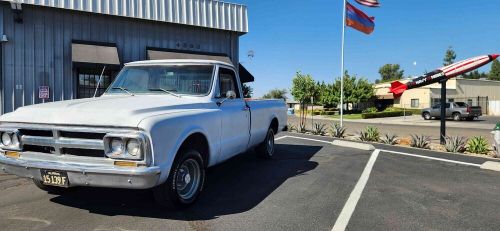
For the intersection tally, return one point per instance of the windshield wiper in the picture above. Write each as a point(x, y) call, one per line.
point(170, 91)
point(123, 89)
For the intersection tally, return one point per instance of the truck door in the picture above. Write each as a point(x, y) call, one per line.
point(235, 116)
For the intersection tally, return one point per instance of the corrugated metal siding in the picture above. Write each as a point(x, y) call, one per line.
point(39, 50)
point(203, 13)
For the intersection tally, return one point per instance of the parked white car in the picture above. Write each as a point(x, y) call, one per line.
point(159, 125)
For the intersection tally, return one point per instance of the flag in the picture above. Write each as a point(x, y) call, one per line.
point(370, 3)
point(358, 20)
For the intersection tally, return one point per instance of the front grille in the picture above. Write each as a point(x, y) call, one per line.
point(83, 135)
point(83, 152)
point(32, 132)
point(34, 148)
point(63, 142)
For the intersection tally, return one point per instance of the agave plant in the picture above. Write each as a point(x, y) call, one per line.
point(292, 128)
point(319, 129)
point(455, 144)
point(389, 139)
point(337, 131)
point(420, 141)
point(478, 145)
point(370, 134)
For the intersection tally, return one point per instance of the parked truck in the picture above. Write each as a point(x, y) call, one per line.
point(158, 126)
point(457, 111)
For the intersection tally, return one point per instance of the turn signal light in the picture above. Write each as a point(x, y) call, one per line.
point(14, 155)
point(126, 164)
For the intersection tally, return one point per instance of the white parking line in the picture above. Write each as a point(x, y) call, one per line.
point(395, 152)
point(432, 158)
point(351, 203)
point(303, 138)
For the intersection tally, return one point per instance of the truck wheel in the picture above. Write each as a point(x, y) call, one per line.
point(51, 189)
point(184, 183)
point(427, 116)
point(266, 148)
point(456, 116)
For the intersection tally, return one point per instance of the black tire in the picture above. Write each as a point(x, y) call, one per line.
point(426, 115)
point(171, 193)
point(456, 117)
point(51, 189)
point(266, 148)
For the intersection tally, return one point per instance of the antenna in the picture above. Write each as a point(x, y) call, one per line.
point(98, 82)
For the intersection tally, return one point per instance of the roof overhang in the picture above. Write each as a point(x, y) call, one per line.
point(202, 13)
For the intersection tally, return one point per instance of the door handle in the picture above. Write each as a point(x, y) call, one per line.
point(245, 108)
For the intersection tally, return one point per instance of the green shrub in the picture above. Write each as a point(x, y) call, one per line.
point(389, 139)
point(319, 129)
point(420, 141)
point(478, 145)
point(455, 144)
point(384, 114)
point(337, 131)
point(370, 134)
point(370, 110)
point(292, 127)
point(391, 109)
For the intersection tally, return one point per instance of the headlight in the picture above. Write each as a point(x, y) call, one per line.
point(6, 139)
point(125, 146)
point(116, 145)
point(133, 147)
point(10, 140)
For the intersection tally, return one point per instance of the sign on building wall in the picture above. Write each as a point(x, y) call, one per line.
point(43, 92)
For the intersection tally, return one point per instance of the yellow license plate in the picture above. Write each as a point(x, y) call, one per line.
point(55, 178)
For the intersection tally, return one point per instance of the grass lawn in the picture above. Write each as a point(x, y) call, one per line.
point(347, 116)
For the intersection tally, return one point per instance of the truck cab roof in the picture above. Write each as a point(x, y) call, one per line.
point(176, 61)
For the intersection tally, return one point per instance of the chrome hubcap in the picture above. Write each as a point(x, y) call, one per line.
point(188, 179)
point(270, 143)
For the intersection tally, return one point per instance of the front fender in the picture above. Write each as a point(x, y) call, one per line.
point(169, 133)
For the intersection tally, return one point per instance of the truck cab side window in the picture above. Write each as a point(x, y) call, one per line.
point(227, 82)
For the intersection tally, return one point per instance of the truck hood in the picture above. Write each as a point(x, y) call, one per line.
point(115, 111)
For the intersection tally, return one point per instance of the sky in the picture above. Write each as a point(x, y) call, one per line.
point(290, 35)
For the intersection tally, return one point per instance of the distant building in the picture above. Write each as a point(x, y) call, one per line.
point(475, 92)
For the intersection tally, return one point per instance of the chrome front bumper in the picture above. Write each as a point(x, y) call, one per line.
point(84, 174)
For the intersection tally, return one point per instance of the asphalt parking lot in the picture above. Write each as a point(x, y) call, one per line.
point(309, 185)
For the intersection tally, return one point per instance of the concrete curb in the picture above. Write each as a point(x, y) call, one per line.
point(491, 165)
point(348, 144)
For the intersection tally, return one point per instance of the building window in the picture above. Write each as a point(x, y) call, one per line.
point(469, 102)
point(87, 82)
point(415, 103)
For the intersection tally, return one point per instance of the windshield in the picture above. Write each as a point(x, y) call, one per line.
point(178, 79)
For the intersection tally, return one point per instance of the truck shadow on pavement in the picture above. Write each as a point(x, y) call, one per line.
point(235, 186)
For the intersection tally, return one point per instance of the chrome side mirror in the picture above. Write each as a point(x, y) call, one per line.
point(231, 94)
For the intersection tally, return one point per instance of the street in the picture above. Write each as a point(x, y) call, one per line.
point(305, 186)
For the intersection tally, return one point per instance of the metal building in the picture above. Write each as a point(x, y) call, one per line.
point(65, 45)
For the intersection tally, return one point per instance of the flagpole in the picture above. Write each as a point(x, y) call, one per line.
point(342, 69)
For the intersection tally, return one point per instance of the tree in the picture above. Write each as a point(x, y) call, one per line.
point(449, 57)
point(303, 88)
point(495, 71)
point(247, 90)
point(276, 94)
point(356, 90)
point(390, 72)
point(475, 75)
